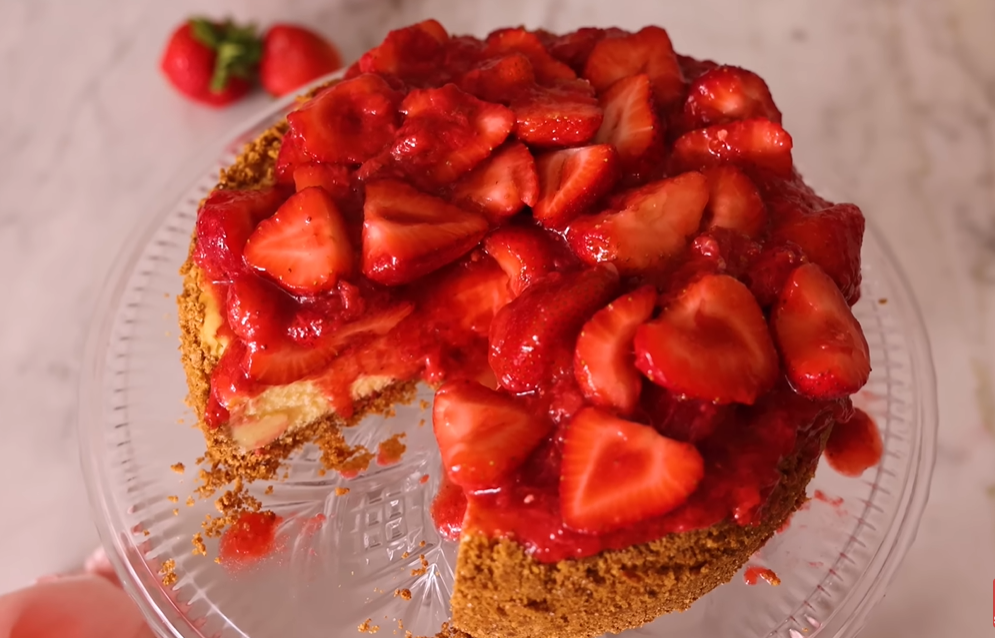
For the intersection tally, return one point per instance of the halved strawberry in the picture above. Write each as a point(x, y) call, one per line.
point(535, 333)
point(757, 142)
point(767, 275)
point(446, 132)
point(648, 51)
point(474, 290)
point(257, 309)
point(630, 123)
point(734, 201)
point(832, 239)
point(305, 245)
point(518, 40)
point(334, 178)
point(348, 122)
point(728, 93)
point(604, 363)
point(289, 157)
point(574, 48)
point(225, 221)
point(281, 360)
point(407, 233)
point(615, 473)
point(571, 181)
point(502, 184)
point(525, 253)
point(484, 435)
point(652, 227)
point(823, 346)
point(414, 54)
point(552, 116)
point(499, 79)
point(711, 343)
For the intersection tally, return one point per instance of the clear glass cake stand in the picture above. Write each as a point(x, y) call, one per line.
point(328, 578)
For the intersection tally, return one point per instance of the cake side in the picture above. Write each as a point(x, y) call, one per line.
point(228, 464)
point(502, 592)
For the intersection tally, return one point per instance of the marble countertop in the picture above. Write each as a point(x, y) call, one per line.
point(890, 102)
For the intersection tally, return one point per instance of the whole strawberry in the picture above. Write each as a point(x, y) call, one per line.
point(294, 56)
point(212, 62)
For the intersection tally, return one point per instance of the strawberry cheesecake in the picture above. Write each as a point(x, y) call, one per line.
point(634, 313)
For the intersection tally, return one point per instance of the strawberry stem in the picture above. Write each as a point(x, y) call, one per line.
point(238, 48)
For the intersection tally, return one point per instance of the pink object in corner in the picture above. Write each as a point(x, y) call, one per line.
point(88, 605)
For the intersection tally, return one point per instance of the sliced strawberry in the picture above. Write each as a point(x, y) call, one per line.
point(407, 233)
point(334, 178)
point(290, 156)
point(690, 420)
point(225, 221)
point(305, 245)
point(257, 309)
point(281, 360)
point(652, 227)
point(535, 333)
point(563, 115)
point(518, 40)
point(692, 68)
point(734, 201)
point(832, 239)
point(615, 473)
point(604, 362)
point(822, 344)
point(414, 54)
point(755, 142)
point(648, 51)
point(501, 185)
point(228, 379)
point(348, 122)
point(446, 133)
point(571, 181)
point(525, 253)
point(574, 48)
point(727, 93)
point(630, 123)
point(733, 252)
point(711, 343)
point(483, 435)
point(499, 79)
point(767, 275)
point(474, 290)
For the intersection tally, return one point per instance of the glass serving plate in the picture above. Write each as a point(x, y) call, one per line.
point(340, 558)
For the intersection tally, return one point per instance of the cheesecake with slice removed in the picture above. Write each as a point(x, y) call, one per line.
point(635, 314)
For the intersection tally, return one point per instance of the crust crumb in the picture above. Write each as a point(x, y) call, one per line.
point(199, 548)
point(179, 468)
point(168, 572)
point(173, 499)
point(341, 491)
point(421, 571)
point(403, 594)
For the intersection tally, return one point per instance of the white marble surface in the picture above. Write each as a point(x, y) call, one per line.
point(891, 102)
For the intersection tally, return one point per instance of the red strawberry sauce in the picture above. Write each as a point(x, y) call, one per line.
point(741, 470)
point(250, 538)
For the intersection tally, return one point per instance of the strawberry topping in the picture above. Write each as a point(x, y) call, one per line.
point(572, 181)
point(652, 227)
point(605, 361)
point(537, 225)
point(483, 434)
point(711, 343)
point(305, 245)
point(616, 472)
point(823, 346)
point(408, 234)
